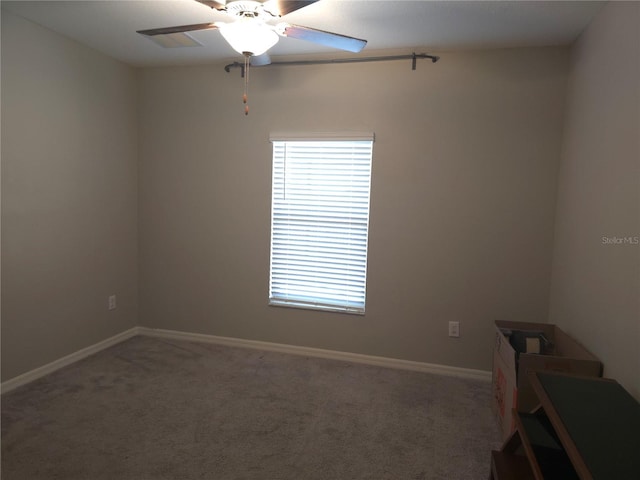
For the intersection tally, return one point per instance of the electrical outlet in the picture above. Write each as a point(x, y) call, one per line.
point(454, 329)
point(112, 302)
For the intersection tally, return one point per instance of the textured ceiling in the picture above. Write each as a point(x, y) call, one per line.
point(421, 26)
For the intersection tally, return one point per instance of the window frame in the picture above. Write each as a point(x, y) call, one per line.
point(282, 296)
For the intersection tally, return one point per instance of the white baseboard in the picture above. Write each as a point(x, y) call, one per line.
point(239, 342)
point(321, 353)
point(36, 373)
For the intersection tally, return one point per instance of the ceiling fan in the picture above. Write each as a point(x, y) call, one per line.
point(250, 32)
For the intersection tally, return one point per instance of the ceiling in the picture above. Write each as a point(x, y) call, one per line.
point(420, 26)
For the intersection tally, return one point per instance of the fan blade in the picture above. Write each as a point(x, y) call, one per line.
point(182, 28)
point(283, 7)
point(260, 60)
point(321, 37)
point(214, 5)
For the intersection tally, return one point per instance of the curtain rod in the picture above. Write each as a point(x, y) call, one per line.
point(413, 57)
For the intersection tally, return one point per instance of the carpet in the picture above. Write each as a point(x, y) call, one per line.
point(154, 409)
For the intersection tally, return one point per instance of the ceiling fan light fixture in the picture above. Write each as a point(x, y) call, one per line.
point(249, 36)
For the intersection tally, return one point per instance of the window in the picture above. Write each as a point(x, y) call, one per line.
point(320, 222)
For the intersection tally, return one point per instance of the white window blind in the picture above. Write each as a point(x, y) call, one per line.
point(319, 223)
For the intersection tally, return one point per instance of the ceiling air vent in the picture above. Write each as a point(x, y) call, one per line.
point(175, 40)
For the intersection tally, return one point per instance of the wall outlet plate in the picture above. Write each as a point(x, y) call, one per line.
point(454, 329)
point(112, 302)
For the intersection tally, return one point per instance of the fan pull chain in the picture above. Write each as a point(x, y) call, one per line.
point(245, 96)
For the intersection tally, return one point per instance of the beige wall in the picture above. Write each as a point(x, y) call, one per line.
point(596, 287)
point(69, 205)
point(462, 207)
point(463, 197)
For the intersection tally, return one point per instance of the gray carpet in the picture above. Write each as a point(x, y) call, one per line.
point(156, 409)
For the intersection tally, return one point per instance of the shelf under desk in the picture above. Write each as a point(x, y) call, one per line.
point(546, 454)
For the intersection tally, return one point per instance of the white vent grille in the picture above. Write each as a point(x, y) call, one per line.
point(175, 40)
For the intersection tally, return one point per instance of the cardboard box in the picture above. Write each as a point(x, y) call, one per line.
point(511, 388)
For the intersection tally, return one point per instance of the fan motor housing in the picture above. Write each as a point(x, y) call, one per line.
point(246, 9)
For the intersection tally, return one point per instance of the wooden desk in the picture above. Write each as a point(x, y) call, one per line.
point(585, 428)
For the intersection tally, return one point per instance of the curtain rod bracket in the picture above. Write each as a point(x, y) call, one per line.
point(227, 68)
